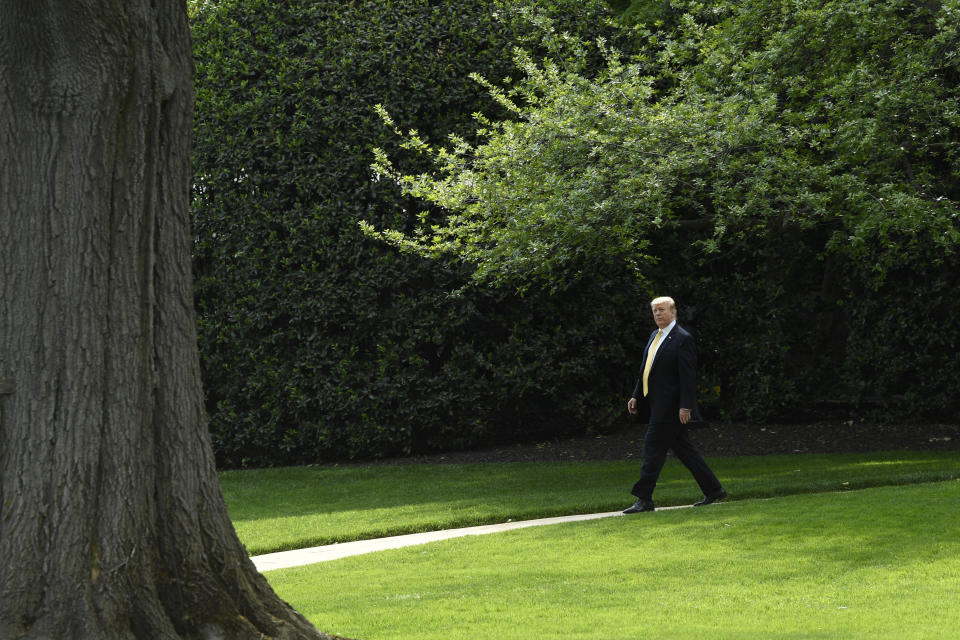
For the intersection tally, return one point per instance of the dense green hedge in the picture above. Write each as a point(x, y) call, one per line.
point(788, 171)
point(318, 343)
point(830, 291)
point(833, 291)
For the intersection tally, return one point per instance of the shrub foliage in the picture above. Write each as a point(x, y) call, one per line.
point(789, 171)
point(320, 343)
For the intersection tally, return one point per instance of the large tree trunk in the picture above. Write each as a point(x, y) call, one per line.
point(112, 523)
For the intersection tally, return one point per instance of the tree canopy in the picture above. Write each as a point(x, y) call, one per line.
point(788, 167)
point(733, 122)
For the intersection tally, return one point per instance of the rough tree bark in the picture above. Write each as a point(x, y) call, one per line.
point(112, 523)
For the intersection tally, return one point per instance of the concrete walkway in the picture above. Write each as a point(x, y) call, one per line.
point(299, 557)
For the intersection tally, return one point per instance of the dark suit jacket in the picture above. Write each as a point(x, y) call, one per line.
point(673, 377)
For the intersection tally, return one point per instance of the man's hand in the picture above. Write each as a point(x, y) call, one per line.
point(684, 416)
point(632, 406)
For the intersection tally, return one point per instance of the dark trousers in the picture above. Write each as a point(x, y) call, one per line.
point(660, 439)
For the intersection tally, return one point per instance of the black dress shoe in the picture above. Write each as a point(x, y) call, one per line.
point(710, 499)
point(638, 506)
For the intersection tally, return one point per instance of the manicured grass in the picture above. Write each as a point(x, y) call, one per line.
point(878, 563)
point(279, 509)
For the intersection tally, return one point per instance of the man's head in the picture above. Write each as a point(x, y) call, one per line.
point(664, 311)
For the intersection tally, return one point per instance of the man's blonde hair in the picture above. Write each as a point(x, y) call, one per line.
point(673, 305)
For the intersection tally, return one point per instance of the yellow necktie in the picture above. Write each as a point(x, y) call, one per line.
point(649, 363)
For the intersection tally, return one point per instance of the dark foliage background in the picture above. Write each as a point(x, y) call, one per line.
point(788, 171)
point(318, 343)
point(833, 292)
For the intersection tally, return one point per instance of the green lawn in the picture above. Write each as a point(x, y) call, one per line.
point(876, 563)
point(279, 509)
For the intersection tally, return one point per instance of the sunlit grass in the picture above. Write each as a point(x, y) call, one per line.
point(280, 509)
point(877, 563)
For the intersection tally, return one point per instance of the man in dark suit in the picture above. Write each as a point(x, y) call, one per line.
point(668, 389)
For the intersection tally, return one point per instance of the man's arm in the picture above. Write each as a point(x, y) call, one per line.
point(687, 369)
point(638, 387)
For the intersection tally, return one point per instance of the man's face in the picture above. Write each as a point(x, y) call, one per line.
point(663, 314)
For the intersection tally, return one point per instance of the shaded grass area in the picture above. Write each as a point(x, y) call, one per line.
point(877, 563)
point(290, 508)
